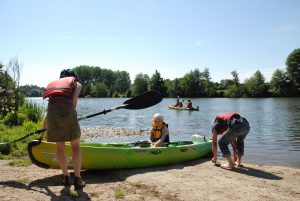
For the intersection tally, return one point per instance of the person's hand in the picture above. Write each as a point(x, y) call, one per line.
point(41, 136)
point(214, 161)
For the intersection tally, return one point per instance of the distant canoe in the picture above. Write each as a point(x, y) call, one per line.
point(184, 108)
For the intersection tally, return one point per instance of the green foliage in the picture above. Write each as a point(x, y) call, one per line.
point(232, 91)
point(5, 148)
point(279, 86)
point(293, 71)
point(33, 111)
point(14, 119)
point(256, 86)
point(119, 193)
point(10, 134)
point(101, 90)
point(101, 82)
point(140, 84)
point(157, 83)
point(32, 90)
point(114, 81)
point(20, 163)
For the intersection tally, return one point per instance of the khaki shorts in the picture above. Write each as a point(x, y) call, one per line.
point(62, 125)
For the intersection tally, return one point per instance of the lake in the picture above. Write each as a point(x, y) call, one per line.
point(274, 137)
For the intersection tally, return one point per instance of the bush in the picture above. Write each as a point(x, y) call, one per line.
point(6, 148)
point(33, 111)
point(14, 119)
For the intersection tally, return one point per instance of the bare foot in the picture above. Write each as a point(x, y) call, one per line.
point(227, 166)
point(238, 164)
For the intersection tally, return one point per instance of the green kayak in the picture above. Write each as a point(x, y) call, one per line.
point(120, 155)
point(184, 108)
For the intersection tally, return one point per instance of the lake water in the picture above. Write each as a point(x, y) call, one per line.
point(274, 137)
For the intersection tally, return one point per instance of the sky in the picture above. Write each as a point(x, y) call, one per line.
point(173, 37)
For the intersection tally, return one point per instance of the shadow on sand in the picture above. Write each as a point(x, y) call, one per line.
point(255, 173)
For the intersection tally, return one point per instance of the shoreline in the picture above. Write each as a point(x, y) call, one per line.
point(190, 181)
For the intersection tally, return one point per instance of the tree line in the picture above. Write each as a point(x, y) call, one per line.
point(101, 82)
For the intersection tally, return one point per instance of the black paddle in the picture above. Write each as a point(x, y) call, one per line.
point(141, 101)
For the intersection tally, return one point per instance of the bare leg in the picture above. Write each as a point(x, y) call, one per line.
point(234, 155)
point(238, 161)
point(78, 183)
point(76, 156)
point(61, 158)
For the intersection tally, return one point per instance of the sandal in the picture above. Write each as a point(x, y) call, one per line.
point(78, 183)
point(66, 181)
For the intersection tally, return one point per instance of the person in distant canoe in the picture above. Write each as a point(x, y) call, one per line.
point(62, 124)
point(234, 130)
point(159, 133)
point(177, 102)
point(189, 104)
point(180, 103)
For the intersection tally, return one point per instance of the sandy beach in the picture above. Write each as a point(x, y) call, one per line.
point(191, 181)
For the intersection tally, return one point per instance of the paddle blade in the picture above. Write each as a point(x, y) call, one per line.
point(143, 100)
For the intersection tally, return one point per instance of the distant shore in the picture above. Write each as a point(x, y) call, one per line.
point(192, 181)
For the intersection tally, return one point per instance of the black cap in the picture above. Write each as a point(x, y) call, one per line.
point(69, 73)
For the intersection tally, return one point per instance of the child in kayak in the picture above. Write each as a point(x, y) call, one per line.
point(159, 133)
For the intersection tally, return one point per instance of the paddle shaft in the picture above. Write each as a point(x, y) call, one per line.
point(103, 112)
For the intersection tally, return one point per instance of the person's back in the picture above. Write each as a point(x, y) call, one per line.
point(177, 103)
point(189, 104)
point(62, 124)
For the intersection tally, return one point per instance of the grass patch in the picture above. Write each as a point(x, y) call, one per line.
point(73, 193)
point(20, 163)
point(119, 193)
point(96, 194)
point(9, 134)
point(24, 180)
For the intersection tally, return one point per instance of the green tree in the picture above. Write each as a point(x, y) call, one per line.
point(101, 90)
point(157, 83)
point(209, 87)
point(256, 86)
point(293, 71)
point(236, 79)
point(35, 93)
point(122, 81)
point(193, 84)
point(233, 89)
point(279, 85)
point(140, 84)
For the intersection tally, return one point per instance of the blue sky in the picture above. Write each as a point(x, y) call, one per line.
point(140, 36)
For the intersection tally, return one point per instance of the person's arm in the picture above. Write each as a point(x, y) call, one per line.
point(150, 137)
point(76, 93)
point(41, 135)
point(214, 146)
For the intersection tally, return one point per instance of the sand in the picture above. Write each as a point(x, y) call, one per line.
point(196, 180)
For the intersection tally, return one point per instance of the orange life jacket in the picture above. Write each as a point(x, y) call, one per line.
point(158, 132)
point(227, 117)
point(61, 87)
